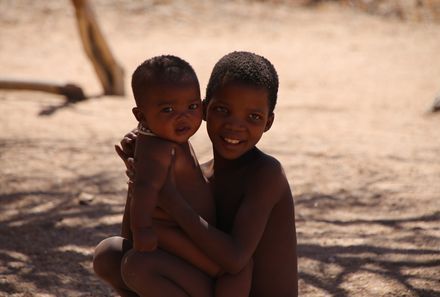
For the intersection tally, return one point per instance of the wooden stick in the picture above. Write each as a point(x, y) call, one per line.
point(71, 91)
point(110, 73)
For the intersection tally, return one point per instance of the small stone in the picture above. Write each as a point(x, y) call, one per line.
point(85, 198)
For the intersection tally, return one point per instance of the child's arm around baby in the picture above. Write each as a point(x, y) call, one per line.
point(265, 185)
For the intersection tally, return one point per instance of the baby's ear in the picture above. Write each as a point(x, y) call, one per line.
point(138, 114)
point(269, 122)
point(204, 109)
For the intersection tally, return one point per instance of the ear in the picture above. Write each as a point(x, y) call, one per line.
point(138, 114)
point(269, 122)
point(204, 109)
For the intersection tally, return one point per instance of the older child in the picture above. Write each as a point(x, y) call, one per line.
point(168, 110)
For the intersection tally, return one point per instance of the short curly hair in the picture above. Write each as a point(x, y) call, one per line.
point(164, 69)
point(244, 68)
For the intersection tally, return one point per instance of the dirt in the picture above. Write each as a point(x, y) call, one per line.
point(352, 129)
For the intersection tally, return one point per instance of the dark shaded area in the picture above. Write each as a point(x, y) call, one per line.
point(54, 252)
point(51, 246)
point(40, 252)
point(389, 263)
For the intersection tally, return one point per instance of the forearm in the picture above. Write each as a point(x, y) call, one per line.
point(218, 245)
point(173, 240)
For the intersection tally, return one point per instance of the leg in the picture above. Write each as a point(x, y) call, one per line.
point(237, 285)
point(159, 273)
point(107, 263)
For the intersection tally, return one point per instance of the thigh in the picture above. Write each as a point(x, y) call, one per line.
point(159, 273)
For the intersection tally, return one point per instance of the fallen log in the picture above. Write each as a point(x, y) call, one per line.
point(71, 91)
point(110, 73)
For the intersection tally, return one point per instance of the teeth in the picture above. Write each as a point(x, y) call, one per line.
point(231, 141)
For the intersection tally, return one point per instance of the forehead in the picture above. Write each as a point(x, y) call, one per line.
point(243, 96)
point(163, 93)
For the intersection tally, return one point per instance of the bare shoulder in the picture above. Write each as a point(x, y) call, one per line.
point(265, 180)
point(269, 168)
point(154, 147)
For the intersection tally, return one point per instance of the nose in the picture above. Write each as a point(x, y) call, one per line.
point(183, 115)
point(235, 124)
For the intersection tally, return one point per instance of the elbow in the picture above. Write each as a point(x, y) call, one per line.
point(237, 264)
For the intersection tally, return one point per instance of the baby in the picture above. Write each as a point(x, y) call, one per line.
point(168, 109)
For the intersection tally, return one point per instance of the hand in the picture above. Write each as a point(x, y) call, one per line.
point(126, 152)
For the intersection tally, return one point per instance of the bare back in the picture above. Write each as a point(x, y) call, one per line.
point(190, 181)
point(153, 156)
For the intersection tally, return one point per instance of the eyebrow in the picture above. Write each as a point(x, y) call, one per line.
point(165, 102)
point(256, 110)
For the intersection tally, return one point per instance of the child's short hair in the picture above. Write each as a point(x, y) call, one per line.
point(246, 68)
point(164, 69)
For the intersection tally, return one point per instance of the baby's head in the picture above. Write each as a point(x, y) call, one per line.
point(240, 99)
point(167, 95)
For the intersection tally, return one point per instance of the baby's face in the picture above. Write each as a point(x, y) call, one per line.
point(173, 112)
point(236, 118)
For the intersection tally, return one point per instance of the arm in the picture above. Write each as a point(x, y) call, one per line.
point(152, 159)
point(233, 251)
point(173, 240)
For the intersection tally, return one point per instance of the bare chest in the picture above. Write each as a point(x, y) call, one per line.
point(228, 194)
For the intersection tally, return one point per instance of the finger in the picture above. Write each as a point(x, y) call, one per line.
point(132, 134)
point(130, 164)
point(130, 174)
point(127, 145)
point(120, 152)
point(126, 141)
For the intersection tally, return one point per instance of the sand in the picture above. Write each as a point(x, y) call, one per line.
point(352, 130)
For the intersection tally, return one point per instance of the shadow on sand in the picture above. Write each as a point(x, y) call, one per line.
point(376, 258)
point(49, 242)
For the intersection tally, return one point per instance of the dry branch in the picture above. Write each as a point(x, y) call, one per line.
point(110, 73)
point(71, 91)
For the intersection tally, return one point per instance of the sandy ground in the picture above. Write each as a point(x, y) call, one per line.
point(360, 151)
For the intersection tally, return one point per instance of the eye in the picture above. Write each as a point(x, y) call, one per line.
point(255, 117)
point(193, 106)
point(220, 109)
point(167, 109)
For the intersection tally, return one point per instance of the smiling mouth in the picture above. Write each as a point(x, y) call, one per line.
point(231, 140)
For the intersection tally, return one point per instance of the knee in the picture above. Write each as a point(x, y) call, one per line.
point(136, 268)
point(107, 257)
point(130, 267)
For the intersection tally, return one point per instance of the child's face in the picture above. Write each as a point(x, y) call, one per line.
point(170, 112)
point(236, 118)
